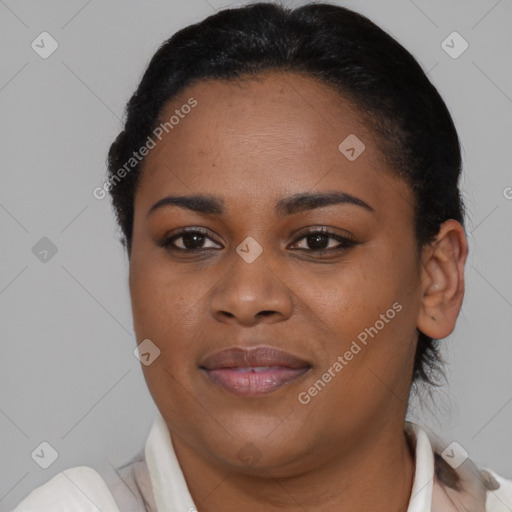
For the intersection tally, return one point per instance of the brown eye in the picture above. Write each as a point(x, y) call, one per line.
point(322, 240)
point(191, 239)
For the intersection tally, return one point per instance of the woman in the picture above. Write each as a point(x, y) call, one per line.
point(287, 186)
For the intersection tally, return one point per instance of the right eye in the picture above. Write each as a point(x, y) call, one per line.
point(189, 240)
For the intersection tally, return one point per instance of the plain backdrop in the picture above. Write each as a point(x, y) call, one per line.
point(68, 375)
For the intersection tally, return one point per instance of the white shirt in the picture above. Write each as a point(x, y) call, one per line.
point(154, 482)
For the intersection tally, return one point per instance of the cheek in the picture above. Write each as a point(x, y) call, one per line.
point(168, 307)
point(163, 312)
point(353, 296)
point(155, 303)
point(370, 311)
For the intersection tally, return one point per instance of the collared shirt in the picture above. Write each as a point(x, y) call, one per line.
point(154, 482)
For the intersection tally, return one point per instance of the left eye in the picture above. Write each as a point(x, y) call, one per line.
point(322, 240)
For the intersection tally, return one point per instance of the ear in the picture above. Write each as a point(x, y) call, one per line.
point(442, 280)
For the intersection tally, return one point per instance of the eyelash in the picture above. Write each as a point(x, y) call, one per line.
point(346, 242)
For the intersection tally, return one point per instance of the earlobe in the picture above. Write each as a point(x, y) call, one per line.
point(442, 281)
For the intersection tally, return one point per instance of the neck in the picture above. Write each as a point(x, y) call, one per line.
point(377, 471)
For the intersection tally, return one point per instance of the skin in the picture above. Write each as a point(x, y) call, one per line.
point(252, 143)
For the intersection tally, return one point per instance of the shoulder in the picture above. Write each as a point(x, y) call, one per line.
point(458, 482)
point(499, 491)
point(80, 489)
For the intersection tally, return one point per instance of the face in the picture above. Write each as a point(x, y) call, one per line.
point(290, 243)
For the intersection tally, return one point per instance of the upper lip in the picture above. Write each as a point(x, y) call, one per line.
point(238, 357)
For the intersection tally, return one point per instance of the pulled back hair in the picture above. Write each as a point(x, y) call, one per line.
point(340, 48)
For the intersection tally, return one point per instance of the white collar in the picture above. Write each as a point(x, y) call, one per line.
point(169, 486)
point(423, 483)
point(171, 492)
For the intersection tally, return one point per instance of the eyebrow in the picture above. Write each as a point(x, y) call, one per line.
point(297, 203)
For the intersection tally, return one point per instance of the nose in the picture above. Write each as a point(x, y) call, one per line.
point(251, 293)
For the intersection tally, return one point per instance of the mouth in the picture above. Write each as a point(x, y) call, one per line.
point(253, 372)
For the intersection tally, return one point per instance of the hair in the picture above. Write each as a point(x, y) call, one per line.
point(341, 49)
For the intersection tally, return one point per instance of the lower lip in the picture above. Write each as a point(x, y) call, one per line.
point(254, 383)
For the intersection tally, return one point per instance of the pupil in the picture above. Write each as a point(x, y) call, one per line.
point(189, 239)
point(318, 241)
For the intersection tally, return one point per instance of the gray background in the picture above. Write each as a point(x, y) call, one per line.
point(67, 369)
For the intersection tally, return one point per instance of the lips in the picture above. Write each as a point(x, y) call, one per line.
point(253, 372)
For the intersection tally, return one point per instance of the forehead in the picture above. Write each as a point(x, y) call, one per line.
point(271, 134)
